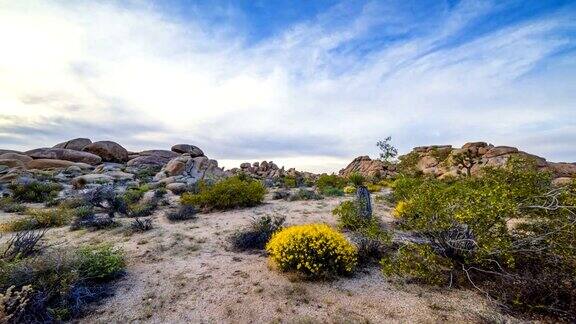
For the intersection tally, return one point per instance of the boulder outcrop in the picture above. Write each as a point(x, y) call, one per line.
point(65, 154)
point(369, 168)
point(192, 150)
point(77, 144)
point(109, 151)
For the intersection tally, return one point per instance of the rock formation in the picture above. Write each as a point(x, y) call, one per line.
point(369, 168)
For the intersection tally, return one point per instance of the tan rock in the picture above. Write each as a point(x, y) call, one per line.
point(563, 169)
point(43, 164)
point(109, 151)
point(65, 154)
point(76, 144)
point(12, 163)
point(16, 156)
point(500, 150)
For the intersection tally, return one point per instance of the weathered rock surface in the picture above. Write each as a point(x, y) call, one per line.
point(109, 151)
point(16, 156)
point(65, 154)
point(77, 144)
point(43, 164)
point(192, 169)
point(12, 163)
point(368, 168)
point(2, 151)
point(194, 151)
point(152, 157)
point(439, 160)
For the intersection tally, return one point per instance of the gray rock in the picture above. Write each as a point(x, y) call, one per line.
point(76, 144)
point(109, 151)
point(194, 151)
point(64, 154)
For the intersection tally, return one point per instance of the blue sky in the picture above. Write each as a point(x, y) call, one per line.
point(309, 84)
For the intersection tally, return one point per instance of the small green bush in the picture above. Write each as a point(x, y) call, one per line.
point(60, 283)
point(348, 216)
point(227, 194)
point(100, 262)
point(324, 181)
point(133, 195)
point(333, 192)
point(34, 191)
point(290, 182)
point(8, 205)
point(356, 179)
point(257, 234)
point(38, 218)
point(417, 262)
point(305, 194)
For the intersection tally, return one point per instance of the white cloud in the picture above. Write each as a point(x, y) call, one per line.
point(302, 97)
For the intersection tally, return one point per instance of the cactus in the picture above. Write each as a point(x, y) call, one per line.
point(364, 201)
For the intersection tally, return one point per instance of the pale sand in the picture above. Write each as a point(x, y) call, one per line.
point(185, 272)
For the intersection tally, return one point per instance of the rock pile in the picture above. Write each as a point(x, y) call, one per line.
point(270, 171)
point(369, 168)
point(444, 160)
point(80, 162)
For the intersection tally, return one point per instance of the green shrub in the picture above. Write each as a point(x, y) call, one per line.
point(38, 218)
point(417, 262)
point(314, 250)
point(348, 216)
point(34, 191)
point(332, 192)
point(290, 182)
point(133, 195)
point(305, 194)
point(257, 234)
point(60, 283)
point(227, 194)
point(356, 179)
point(507, 231)
point(8, 205)
point(324, 181)
point(408, 164)
point(100, 262)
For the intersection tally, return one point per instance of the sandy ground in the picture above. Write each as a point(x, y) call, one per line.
point(185, 272)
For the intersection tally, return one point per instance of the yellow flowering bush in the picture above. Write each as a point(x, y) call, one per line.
point(349, 190)
point(373, 187)
point(315, 250)
point(400, 209)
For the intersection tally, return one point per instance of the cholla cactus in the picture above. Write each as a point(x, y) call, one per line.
point(364, 202)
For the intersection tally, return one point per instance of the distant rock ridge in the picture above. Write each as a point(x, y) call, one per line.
point(444, 160)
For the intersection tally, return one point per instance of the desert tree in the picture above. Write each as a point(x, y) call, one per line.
point(387, 151)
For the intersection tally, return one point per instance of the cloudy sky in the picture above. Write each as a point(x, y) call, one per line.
point(308, 84)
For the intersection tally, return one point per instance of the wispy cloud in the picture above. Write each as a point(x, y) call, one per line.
point(324, 89)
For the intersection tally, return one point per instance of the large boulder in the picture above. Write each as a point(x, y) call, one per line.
point(12, 163)
point(16, 156)
point(563, 169)
point(2, 151)
point(194, 151)
point(152, 157)
point(109, 151)
point(65, 154)
point(43, 164)
point(191, 169)
point(76, 144)
point(500, 150)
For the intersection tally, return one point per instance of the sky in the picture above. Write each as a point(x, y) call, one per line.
point(309, 84)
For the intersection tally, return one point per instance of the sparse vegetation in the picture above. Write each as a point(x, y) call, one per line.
point(387, 151)
point(37, 218)
point(141, 224)
point(305, 194)
point(227, 194)
point(183, 212)
point(325, 181)
point(467, 222)
point(34, 191)
point(56, 286)
point(257, 234)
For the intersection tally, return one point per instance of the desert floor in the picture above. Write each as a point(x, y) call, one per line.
point(186, 272)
